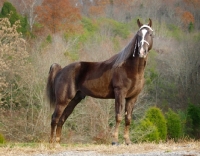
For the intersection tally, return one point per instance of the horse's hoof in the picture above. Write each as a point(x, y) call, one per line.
point(57, 145)
point(115, 143)
point(128, 143)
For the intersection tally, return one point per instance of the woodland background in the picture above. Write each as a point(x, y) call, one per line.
point(36, 33)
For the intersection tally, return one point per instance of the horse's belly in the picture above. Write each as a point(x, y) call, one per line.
point(97, 89)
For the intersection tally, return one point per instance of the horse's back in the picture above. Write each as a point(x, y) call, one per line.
point(91, 78)
point(95, 79)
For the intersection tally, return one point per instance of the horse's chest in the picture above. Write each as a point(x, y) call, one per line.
point(136, 86)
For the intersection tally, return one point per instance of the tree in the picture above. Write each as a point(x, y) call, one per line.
point(27, 8)
point(194, 115)
point(174, 127)
point(59, 15)
point(155, 116)
point(9, 11)
point(187, 18)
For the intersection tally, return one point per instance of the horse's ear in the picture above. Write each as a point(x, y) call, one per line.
point(150, 22)
point(139, 23)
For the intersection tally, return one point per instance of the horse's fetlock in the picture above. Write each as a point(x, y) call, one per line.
point(57, 139)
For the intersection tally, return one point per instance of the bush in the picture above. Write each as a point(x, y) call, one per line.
point(194, 117)
point(155, 116)
point(2, 139)
point(145, 132)
point(14, 63)
point(174, 128)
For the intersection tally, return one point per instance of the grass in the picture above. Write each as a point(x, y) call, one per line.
point(11, 149)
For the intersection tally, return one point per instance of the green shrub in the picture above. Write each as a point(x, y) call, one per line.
point(145, 131)
point(2, 139)
point(174, 128)
point(193, 117)
point(155, 116)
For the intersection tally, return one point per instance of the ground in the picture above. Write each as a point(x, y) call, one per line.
point(170, 148)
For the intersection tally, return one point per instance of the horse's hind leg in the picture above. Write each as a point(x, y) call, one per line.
point(55, 118)
point(68, 110)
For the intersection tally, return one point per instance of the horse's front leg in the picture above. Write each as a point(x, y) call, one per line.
point(128, 116)
point(119, 104)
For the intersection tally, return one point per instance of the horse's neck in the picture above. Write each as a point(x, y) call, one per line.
point(139, 64)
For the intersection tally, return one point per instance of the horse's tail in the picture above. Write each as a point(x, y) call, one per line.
point(50, 88)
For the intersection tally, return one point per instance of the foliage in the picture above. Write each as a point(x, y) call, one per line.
point(13, 59)
point(2, 139)
point(89, 25)
point(174, 31)
point(72, 55)
point(151, 128)
point(9, 11)
point(118, 28)
point(19, 93)
point(190, 27)
point(172, 72)
point(49, 39)
point(145, 131)
point(174, 127)
point(187, 18)
point(186, 123)
point(194, 116)
point(59, 15)
point(155, 116)
point(151, 71)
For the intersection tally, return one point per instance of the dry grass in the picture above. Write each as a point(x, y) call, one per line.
point(44, 148)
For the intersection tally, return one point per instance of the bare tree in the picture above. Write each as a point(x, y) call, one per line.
point(27, 8)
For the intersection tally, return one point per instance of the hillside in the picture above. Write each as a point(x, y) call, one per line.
point(95, 31)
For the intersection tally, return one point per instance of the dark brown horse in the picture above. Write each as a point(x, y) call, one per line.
point(121, 78)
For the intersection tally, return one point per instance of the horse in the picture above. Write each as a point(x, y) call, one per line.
point(121, 77)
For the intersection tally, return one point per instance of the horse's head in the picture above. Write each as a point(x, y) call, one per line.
point(144, 39)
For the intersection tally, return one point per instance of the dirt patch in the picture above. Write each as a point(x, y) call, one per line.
point(146, 149)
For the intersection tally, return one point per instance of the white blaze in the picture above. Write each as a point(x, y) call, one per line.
point(144, 31)
point(142, 50)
